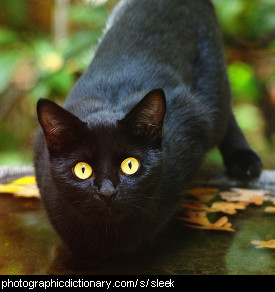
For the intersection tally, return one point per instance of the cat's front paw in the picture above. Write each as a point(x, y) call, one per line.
point(244, 165)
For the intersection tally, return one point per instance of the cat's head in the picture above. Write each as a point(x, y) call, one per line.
point(106, 174)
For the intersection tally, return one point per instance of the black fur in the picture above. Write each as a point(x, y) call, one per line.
point(117, 110)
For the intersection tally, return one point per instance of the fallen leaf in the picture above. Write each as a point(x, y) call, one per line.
point(227, 207)
point(264, 244)
point(203, 194)
point(269, 209)
point(195, 210)
point(30, 192)
point(256, 197)
point(22, 187)
point(9, 189)
point(193, 205)
point(27, 180)
point(198, 219)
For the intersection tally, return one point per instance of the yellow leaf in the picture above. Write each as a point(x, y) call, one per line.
point(227, 207)
point(269, 209)
point(27, 180)
point(22, 187)
point(264, 244)
point(195, 211)
point(9, 189)
point(198, 219)
point(28, 193)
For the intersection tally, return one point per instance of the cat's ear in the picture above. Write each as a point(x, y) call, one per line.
point(146, 118)
point(60, 127)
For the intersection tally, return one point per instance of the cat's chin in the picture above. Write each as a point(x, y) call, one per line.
point(109, 232)
point(110, 213)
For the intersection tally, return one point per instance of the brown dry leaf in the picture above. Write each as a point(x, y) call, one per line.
point(203, 194)
point(256, 197)
point(22, 187)
point(193, 205)
point(264, 244)
point(227, 207)
point(195, 211)
point(198, 219)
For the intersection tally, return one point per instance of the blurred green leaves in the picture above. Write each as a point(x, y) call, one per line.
point(248, 117)
point(7, 36)
point(88, 15)
point(246, 19)
point(7, 64)
point(34, 63)
point(243, 82)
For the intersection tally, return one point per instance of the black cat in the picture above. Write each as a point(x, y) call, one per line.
point(113, 165)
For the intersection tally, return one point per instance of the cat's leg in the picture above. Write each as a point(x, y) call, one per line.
point(240, 160)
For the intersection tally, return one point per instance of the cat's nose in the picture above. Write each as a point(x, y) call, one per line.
point(107, 191)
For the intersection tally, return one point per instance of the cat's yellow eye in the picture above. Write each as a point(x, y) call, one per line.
point(130, 165)
point(83, 170)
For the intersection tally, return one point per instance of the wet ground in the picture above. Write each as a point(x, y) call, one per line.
point(29, 245)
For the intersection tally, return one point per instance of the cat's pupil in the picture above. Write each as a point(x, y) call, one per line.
point(83, 168)
point(130, 164)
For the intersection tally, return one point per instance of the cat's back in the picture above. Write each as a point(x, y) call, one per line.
point(146, 44)
point(161, 12)
point(161, 30)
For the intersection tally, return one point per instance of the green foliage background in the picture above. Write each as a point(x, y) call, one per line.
point(35, 62)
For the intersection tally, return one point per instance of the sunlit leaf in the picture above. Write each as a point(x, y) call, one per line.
point(9, 189)
point(227, 207)
point(28, 192)
point(264, 244)
point(27, 180)
point(256, 197)
point(199, 220)
point(23, 187)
